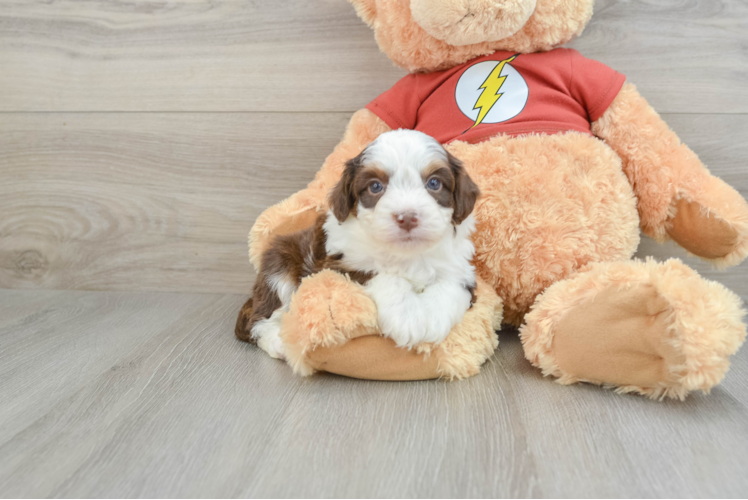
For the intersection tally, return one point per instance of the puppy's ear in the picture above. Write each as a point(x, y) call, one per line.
point(465, 193)
point(342, 197)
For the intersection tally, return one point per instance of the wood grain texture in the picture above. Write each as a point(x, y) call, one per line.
point(686, 56)
point(164, 201)
point(663, 46)
point(223, 55)
point(146, 202)
point(52, 345)
point(151, 396)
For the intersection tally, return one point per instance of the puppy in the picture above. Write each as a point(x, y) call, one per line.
point(399, 224)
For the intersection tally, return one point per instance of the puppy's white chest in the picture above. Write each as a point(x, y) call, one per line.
point(417, 272)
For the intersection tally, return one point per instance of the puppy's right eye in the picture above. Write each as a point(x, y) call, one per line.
point(376, 187)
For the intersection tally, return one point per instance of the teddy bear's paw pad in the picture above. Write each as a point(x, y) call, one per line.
point(373, 357)
point(619, 338)
point(700, 232)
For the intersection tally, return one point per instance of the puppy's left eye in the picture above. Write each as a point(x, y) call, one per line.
point(376, 187)
point(434, 184)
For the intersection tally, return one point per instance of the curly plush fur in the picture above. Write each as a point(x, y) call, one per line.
point(551, 204)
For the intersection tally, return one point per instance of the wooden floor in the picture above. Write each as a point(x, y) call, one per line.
point(120, 394)
point(138, 142)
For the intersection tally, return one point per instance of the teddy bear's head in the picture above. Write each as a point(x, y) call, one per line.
point(429, 35)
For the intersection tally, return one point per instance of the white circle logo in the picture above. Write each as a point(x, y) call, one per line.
point(491, 92)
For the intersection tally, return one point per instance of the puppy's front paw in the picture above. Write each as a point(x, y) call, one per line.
point(437, 331)
point(267, 333)
point(441, 317)
point(403, 337)
point(407, 331)
point(272, 345)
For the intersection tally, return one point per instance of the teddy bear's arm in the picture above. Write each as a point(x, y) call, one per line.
point(677, 196)
point(332, 326)
point(300, 210)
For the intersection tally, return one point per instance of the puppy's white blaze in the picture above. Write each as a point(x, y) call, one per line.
point(421, 281)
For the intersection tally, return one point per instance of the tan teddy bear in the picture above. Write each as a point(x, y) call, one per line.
point(571, 161)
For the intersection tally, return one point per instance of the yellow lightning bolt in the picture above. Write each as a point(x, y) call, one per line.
point(490, 93)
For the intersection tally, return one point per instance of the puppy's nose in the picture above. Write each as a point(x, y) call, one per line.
point(406, 220)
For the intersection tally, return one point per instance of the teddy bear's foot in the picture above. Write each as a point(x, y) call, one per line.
point(657, 329)
point(332, 326)
point(712, 223)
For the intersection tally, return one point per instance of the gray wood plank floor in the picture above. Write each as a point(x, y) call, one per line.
point(131, 394)
point(139, 141)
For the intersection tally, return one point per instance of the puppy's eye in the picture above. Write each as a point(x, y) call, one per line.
point(434, 184)
point(376, 187)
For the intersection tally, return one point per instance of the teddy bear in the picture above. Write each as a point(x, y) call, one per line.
point(572, 163)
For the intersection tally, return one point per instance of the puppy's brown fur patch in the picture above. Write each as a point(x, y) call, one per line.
point(245, 316)
point(354, 187)
point(362, 182)
point(292, 257)
point(458, 191)
point(444, 195)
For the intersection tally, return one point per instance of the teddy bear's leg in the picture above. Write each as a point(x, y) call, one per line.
point(332, 326)
point(678, 197)
point(300, 210)
point(657, 329)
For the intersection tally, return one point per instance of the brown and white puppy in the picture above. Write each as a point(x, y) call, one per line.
point(400, 225)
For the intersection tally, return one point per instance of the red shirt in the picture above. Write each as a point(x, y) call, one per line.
point(502, 93)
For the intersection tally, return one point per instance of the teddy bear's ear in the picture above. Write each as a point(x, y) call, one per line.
point(366, 10)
